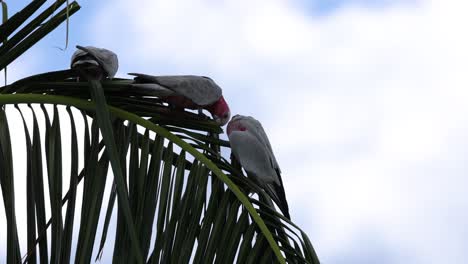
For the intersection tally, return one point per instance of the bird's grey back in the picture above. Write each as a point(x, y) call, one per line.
point(201, 90)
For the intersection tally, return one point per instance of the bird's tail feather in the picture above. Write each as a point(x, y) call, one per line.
point(276, 192)
point(275, 226)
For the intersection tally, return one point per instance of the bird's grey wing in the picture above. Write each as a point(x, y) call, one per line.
point(152, 89)
point(276, 192)
point(253, 156)
point(201, 90)
point(259, 132)
point(149, 83)
point(106, 58)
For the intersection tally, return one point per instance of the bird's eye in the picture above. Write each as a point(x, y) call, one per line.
point(226, 115)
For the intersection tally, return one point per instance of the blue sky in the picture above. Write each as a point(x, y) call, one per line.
point(371, 95)
point(324, 8)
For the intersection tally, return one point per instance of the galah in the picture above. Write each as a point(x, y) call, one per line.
point(251, 147)
point(95, 63)
point(187, 91)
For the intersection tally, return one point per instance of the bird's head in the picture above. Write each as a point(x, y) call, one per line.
point(220, 111)
point(94, 62)
point(237, 123)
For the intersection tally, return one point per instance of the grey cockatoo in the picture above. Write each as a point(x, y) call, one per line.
point(187, 91)
point(95, 63)
point(251, 147)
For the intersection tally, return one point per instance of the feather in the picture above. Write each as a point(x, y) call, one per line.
point(203, 91)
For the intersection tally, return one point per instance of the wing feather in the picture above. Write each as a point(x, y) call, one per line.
point(253, 156)
point(200, 90)
point(153, 89)
point(257, 129)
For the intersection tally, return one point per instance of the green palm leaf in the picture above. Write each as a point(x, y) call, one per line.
point(181, 196)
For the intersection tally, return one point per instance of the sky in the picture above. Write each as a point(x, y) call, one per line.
point(363, 102)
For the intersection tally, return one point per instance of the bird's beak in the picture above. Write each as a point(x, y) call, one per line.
point(218, 120)
point(221, 121)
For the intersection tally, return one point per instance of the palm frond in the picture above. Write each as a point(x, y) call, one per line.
point(31, 33)
point(186, 193)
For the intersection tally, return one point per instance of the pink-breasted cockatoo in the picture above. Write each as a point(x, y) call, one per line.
point(95, 63)
point(252, 149)
point(187, 91)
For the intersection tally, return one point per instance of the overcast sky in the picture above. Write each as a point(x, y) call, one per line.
point(364, 103)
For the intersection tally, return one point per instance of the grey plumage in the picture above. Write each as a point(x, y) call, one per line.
point(251, 147)
point(153, 89)
point(201, 90)
point(90, 55)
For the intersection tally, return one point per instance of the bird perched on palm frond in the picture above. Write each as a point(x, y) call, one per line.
point(252, 149)
point(187, 91)
point(95, 63)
